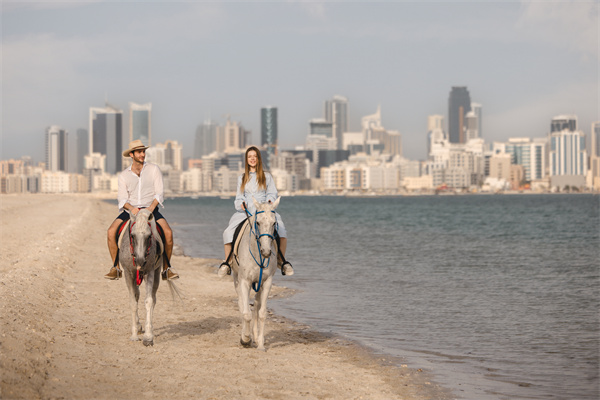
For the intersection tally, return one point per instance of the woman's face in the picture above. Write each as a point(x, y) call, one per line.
point(252, 159)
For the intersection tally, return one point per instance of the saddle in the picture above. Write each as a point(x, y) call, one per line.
point(242, 229)
point(157, 231)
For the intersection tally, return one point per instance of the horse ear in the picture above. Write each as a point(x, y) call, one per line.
point(150, 217)
point(256, 203)
point(276, 203)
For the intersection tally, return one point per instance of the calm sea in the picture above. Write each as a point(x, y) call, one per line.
point(497, 296)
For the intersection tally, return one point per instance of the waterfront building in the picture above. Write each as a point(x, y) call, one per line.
point(336, 112)
point(105, 132)
point(459, 104)
point(295, 164)
point(567, 159)
point(192, 180)
point(268, 132)
point(500, 166)
point(354, 142)
point(56, 149)
point(167, 155)
point(140, 123)
point(530, 154)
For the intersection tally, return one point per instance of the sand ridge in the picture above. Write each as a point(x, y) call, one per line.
point(64, 330)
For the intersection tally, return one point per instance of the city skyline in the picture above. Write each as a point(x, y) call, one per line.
point(404, 57)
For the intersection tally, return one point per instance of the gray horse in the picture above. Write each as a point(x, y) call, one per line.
point(257, 251)
point(140, 256)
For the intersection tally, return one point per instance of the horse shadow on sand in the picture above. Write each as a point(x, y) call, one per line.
point(195, 328)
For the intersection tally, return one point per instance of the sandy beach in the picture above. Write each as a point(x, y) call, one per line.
point(65, 329)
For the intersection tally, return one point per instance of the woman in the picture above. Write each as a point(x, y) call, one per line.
point(257, 183)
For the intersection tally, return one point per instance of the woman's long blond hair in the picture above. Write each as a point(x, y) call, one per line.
point(260, 173)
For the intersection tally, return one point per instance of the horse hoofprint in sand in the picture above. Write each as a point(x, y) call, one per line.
point(257, 247)
point(141, 257)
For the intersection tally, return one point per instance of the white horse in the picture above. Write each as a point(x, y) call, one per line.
point(253, 269)
point(141, 257)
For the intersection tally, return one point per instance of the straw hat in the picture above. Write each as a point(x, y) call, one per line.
point(133, 146)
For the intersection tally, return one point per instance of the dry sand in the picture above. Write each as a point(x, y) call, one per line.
point(65, 330)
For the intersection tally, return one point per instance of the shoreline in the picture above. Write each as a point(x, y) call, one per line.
point(65, 329)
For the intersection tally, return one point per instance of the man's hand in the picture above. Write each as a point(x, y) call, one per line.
point(135, 210)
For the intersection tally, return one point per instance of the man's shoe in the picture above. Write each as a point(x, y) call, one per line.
point(169, 275)
point(286, 269)
point(114, 273)
point(224, 269)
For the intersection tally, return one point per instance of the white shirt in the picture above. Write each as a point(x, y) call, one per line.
point(140, 191)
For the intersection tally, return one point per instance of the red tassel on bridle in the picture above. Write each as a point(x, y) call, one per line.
point(139, 277)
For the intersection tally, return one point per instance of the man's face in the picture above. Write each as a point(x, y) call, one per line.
point(139, 156)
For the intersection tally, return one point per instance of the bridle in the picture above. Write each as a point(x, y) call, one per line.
point(257, 235)
point(139, 277)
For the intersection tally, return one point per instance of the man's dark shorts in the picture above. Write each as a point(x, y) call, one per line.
point(157, 215)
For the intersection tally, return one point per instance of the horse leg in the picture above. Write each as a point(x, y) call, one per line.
point(134, 296)
point(260, 308)
point(243, 289)
point(152, 281)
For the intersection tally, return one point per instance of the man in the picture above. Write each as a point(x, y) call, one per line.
point(140, 186)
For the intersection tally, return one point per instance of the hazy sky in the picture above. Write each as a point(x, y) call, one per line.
point(525, 62)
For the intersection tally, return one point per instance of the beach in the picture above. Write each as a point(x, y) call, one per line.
point(65, 329)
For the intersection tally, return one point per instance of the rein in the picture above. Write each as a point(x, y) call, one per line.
point(257, 236)
point(139, 277)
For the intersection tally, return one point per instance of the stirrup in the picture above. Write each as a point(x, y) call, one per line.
point(228, 267)
point(283, 265)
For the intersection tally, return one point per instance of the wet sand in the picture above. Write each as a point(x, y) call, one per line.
point(65, 329)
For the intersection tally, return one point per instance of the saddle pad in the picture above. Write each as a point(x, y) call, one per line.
point(239, 232)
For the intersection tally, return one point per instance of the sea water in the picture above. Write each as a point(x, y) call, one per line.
point(496, 295)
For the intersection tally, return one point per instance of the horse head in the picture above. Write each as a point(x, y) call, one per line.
point(265, 224)
point(141, 235)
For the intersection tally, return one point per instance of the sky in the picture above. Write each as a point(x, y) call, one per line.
point(525, 62)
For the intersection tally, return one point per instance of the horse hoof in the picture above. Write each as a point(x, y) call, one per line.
point(148, 342)
point(134, 338)
point(246, 344)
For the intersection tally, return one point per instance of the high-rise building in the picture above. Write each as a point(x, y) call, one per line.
point(529, 154)
point(471, 126)
point(459, 104)
point(563, 122)
point(206, 138)
point(477, 109)
point(336, 112)
point(268, 132)
point(82, 148)
point(140, 123)
point(56, 149)
point(567, 153)
point(320, 126)
point(595, 155)
point(106, 136)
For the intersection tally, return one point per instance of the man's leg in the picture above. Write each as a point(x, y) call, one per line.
point(113, 247)
point(168, 247)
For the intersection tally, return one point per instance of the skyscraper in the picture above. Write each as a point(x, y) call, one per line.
point(268, 131)
point(336, 112)
point(140, 123)
point(563, 122)
point(477, 109)
point(106, 137)
point(56, 148)
point(82, 148)
point(206, 138)
point(459, 104)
